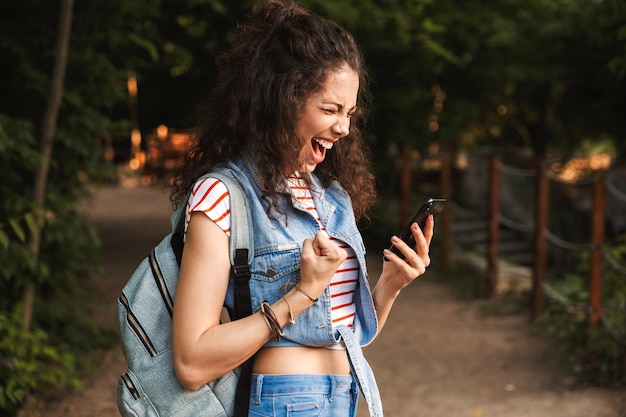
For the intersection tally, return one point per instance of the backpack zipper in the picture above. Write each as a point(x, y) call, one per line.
point(136, 326)
point(160, 282)
point(130, 386)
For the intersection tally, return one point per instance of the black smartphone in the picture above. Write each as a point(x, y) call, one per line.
point(432, 206)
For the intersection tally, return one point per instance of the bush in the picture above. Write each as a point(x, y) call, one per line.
point(596, 354)
point(28, 361)
point(69, 255)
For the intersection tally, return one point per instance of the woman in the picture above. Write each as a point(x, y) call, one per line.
point(283, 119)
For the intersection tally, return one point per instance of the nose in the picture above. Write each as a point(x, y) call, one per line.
point(342, 126)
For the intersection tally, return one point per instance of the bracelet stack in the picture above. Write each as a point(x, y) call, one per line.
point(272, 322)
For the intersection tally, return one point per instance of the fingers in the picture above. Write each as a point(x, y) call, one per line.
point(319, 260)
point(308, 251)
point(323, 246)
point(429, 229)
point(423, 239)
point(416, 259)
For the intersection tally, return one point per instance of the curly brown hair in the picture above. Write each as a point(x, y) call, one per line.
point(280, 57)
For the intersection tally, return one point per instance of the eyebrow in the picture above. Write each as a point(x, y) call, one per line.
point(339, 106)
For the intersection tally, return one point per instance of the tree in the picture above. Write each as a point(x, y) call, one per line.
point(534, 73)
point(47, 138)
point(52, 264)
point(190, 34)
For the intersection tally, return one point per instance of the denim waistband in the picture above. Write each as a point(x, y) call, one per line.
point(296, 383)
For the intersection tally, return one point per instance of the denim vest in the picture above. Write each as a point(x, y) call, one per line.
point(276, 269)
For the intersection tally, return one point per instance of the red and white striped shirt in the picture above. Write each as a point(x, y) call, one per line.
point(210, 196)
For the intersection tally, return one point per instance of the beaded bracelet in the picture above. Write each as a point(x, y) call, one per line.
point(272, 322)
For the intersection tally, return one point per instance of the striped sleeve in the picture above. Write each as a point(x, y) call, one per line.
point(210, 196)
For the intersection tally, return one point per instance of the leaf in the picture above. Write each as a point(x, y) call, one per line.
point(17, 229)
point(31, 221)
point(4, 240)
point(148, 46)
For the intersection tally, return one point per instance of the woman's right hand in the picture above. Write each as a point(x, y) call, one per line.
point(319, 262)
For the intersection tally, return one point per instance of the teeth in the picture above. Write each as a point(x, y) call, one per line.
point(324, 143)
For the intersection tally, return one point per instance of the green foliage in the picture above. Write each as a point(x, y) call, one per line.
point(533, 71)
point(401, 43)
point(109, 38)
point(64, 297)
point(16, 225)
point(597, 354)
point(541, 73)
point(189, 35)
point(17, 213)
point(29, 361)
point(16, 151)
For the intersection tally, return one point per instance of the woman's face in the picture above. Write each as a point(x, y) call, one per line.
point(326, 116)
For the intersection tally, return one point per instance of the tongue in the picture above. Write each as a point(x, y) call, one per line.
point(319, 151)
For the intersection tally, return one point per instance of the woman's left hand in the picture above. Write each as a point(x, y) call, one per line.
point(398, 272)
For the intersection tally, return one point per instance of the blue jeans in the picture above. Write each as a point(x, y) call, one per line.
point(303, 396)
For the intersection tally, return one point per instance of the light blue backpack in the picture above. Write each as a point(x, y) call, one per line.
point(149, 387)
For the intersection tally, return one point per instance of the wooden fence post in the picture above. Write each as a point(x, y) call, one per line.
point(597, 239)
point(493, 208)
point(542, 205)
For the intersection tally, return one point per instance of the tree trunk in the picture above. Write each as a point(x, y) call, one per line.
point(48, 130)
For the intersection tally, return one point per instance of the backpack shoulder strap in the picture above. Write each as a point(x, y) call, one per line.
point(241, 243)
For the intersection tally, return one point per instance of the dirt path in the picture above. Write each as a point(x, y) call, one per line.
point(435, 358)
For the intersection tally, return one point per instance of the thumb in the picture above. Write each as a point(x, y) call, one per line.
point(307, 248)
point(321, 243)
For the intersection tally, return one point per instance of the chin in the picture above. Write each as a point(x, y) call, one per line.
point(308, 167)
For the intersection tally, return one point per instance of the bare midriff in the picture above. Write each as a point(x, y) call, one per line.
point(301, 360)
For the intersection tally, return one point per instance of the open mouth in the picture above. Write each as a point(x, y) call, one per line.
point(320, 146)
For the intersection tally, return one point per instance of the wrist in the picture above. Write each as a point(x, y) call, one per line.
point(290, 306)
point(305, 293)
point(386, 290)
